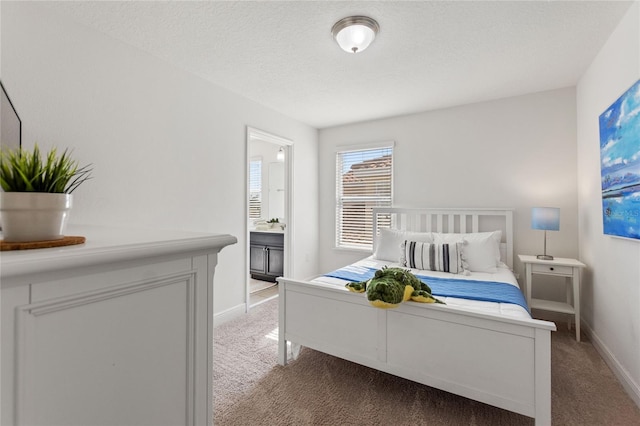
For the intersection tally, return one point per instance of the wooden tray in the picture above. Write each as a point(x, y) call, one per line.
point(28, 245)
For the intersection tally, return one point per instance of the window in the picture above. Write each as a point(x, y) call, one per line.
point(363, 181)
point(255, 188)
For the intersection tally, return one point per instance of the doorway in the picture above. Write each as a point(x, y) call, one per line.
point(268, 217)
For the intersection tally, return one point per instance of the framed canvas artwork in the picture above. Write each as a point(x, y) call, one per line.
point(620, 165)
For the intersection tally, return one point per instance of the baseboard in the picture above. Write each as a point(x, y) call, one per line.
point(620, 372)
point(229, 314)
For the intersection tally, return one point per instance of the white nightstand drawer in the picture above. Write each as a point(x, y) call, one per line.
point(551, 269)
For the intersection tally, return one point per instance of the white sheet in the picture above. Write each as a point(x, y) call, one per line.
point(503, 275)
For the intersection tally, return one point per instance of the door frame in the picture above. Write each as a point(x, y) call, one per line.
point(254, 134)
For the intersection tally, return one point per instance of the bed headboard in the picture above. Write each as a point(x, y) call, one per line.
point(454, 220)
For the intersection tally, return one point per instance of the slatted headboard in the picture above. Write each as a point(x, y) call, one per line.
point(454, 220)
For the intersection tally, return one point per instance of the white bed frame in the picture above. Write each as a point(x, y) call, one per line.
point(505, 362)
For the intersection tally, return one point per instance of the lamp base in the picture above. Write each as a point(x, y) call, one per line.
point(544, 257)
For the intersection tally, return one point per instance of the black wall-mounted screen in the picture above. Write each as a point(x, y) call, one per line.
point(10, 124)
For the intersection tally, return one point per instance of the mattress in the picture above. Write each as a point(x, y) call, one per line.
point(503, 275)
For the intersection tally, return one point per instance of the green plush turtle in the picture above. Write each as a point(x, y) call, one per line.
point(391, 286)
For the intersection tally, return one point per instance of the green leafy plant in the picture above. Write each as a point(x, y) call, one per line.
point(28, 171)
point(274, 220)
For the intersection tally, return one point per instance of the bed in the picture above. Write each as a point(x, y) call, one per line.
point(491, 352)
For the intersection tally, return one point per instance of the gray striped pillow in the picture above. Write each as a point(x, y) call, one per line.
point(432, 257)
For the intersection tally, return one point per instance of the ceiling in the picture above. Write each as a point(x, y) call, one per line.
point(428, 54)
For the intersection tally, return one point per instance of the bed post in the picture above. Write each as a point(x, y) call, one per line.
point(282, 344)
point(542, 377)
point(509, 237)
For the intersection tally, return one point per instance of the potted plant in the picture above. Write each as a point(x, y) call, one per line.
point(37, 196)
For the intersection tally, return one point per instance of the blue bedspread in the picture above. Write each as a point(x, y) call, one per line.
point(488, 291)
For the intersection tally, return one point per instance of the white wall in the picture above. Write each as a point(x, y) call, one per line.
point(169, 148)
point(517, 152)
point(611, 284)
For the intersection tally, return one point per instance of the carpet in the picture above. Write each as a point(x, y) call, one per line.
point(250, 388)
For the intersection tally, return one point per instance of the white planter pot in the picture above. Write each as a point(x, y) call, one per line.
point(34, 216)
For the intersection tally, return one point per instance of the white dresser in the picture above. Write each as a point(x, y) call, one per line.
point(116, 331)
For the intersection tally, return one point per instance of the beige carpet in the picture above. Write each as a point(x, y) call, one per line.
point(250, 388)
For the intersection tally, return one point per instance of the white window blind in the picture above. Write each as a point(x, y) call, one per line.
point(363, 181)
point(255, 189)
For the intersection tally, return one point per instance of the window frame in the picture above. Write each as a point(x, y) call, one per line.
point(339, 243)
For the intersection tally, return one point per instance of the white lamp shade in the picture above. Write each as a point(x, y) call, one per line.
point(355, 38)
point(545, 218)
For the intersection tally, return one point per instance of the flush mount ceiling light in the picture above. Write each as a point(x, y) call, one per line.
point(355, 33)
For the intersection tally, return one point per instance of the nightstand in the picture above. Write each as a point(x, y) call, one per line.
point(559, 267)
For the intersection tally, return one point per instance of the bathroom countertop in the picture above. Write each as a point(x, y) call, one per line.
point(269, 230)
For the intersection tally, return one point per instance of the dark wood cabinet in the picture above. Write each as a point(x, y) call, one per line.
point(266, 253)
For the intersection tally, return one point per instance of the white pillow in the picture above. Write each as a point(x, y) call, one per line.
point(480, 250)
point(389, 243)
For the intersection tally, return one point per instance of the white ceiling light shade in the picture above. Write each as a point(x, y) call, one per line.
point(355, 33)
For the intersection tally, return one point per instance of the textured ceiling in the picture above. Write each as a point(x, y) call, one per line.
point(428, 54)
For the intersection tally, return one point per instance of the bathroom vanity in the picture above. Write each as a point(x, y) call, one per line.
point(266, 255)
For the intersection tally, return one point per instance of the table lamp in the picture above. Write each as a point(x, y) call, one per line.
point(546, 219)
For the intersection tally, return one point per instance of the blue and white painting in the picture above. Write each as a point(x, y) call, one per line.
point(620, 165)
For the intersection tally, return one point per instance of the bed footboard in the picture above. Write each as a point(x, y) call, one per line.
point(495, 360)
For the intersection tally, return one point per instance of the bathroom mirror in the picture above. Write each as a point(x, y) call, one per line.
point(276, 190)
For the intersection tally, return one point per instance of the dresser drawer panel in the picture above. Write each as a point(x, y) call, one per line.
point(552, 269)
